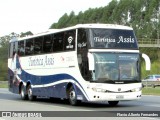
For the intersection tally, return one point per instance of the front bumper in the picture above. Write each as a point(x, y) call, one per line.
point(115, 96)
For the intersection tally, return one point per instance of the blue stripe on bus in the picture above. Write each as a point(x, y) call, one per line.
point(44, 80)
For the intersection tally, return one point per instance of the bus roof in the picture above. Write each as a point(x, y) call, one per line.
point(95, 25)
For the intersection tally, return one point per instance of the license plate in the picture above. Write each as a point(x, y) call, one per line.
point(119, 96)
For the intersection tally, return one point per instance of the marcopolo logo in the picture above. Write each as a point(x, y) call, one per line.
point(70, 39)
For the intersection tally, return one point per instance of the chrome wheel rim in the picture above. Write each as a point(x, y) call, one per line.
point(30, 93)
point(72, 95)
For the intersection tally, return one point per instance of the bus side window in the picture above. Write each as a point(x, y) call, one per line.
point(29, 48)
point(69, 40)
point(58, 42)
point(38, 45)
point(47, 44)
point(21, 50)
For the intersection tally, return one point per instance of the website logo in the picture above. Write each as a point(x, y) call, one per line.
point(70, 39)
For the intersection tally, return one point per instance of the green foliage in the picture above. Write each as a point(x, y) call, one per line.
point(151, 52)
point(3, 84)
point(154, 54)
point(151, 91)
point(142, 15)
point(26, 34)
point(4, 43)
point(155, 69)
point(3, 57)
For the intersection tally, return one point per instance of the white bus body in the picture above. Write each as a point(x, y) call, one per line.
point(80, 63)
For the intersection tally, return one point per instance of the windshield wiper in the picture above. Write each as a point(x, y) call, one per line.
point(101, 80)
point(104, 80)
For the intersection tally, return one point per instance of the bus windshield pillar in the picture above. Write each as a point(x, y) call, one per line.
point(91, 64)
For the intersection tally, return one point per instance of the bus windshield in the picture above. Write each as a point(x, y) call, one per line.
point(116, 67)
point(112, 38)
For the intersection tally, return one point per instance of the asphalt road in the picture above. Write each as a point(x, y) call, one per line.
point(13, 102)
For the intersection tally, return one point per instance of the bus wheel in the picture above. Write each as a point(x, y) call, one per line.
point(72, 96)
point(113, 103)
point(23, 93)
point(31, 97)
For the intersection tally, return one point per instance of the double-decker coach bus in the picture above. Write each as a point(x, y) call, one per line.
point(86, 62)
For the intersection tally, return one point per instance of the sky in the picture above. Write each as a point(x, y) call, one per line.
point(38, 15)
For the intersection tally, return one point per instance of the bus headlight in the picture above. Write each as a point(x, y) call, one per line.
point(98, 90)
point(136, 89)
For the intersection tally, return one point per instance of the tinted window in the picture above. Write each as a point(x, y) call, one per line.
point(147, 77)
point(113, 38)
point(58, 42)
point(151, 77)
point(29, 48)
point(48, 44)
point(157, 76)
point(21, 48)
point(38, 45)
point(111, 67)
point(82, 39)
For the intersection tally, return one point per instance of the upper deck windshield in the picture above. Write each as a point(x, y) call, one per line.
point(112, 38)
point(116, 67)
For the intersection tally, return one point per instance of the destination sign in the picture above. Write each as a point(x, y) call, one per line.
point(113, 38)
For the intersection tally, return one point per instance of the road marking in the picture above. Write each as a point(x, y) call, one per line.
point(151, 95)
point(151, 118)
point(155, 105)
point(6, 91)
point(61, 108)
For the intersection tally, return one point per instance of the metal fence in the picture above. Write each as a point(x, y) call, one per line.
point(144, 42)
point(152, 84)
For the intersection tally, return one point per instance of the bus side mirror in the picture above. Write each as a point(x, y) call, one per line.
point(147, 61)
point(91, 61)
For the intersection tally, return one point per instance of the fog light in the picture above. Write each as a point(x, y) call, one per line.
point(98, 90)
point(136, 89)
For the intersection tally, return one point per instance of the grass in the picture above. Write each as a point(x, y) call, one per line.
point(155, 69)
point(151, 91)
point(3, 84)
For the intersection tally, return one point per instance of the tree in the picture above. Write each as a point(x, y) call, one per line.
point(4, 42)
point(142, 15)
point(25, 34)
point(107, 16)
point(72, 20)
point(61, 22)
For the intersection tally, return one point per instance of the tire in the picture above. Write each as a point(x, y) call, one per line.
point(23, 93)
point(31, 97)
point(113, 103)
point(72, 97)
